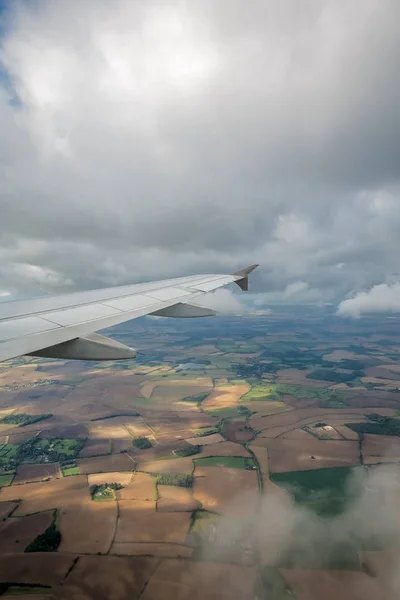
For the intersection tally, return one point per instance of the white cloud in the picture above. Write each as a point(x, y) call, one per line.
point(223, 301)
point(380, 298)
point(143, 140)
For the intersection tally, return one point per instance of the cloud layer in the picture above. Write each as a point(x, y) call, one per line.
point(145, 140)
point(380, 298)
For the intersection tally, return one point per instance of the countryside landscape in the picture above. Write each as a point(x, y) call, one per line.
point(247, 457)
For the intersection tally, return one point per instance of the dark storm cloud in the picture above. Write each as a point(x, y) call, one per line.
point(158, 139)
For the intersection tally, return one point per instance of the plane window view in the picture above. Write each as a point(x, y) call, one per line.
point(199, 300)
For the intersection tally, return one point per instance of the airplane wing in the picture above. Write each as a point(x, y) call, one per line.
point(64, 326)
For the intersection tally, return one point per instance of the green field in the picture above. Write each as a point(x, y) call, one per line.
point(261, 392)
point(8, 456)
point(315, 484)
point(276, 391)
point(68, 471)
point(230, 462)
point(22, 419)
point(6, 479)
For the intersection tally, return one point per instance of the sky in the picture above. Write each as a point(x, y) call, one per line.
point(145, 140)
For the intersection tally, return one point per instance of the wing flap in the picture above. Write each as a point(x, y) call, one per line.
point(91, 347)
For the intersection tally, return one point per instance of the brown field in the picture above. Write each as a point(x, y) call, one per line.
point(388, 383)
point(235, 431)
point(178, 421)
point(374, 403)
point(219, 489)
point(102, 478)
point(188, 580)
point(157, 451)
point(62, 431)
point(168, 388)
point(346, 432)
point(6, 508)
point(174, 499)
point(118, 427)
point(17, 533)
point(296, 434)
point(147, 388)
point(262, 407)
point(151, 549)
point(95, 448)
point(87, 528)
point(141, 487)
point(173, 436)
point(224, 449)
point(19, 438)
point(45, 568)
point(381, 374)
point(39, 497)
point(380, 448)
point(103, 464)
point(304, 416)
point(30, 473)
point(108, 577)
point(224, 396)
point(118, 446)
point(177, 392)
point(175, 466)
point(297, 377)
point(391, 367)
point(331, 585)
point(293, 455)
point(137, 524)
point(214, 438)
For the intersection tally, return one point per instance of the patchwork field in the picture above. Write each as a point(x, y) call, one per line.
point(105, 577)
point(137, 523)
point(17, 533)
point(221, 489)
point(275, 448)
point(224, 397)
point(30, 473)
point(293, 455)
point(200, 580)
point(87, 527)
point(104, 464)
point(172, 499)
point(141, 487)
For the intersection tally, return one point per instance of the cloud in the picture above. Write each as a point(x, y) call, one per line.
point(287, 534)
point(148, 140)
point(380, 298)
point(224, 302)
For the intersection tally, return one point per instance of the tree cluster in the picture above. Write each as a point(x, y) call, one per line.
point(46, 542)
point(188, 450)
point(142, 443)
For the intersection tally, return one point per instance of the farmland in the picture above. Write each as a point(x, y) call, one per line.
point(228, 461)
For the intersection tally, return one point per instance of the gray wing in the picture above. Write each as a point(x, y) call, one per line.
point(63, 326)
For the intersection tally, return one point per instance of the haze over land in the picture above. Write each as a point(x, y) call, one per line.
point(145, 140)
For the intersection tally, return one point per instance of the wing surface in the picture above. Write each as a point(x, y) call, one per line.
point(63, 326)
